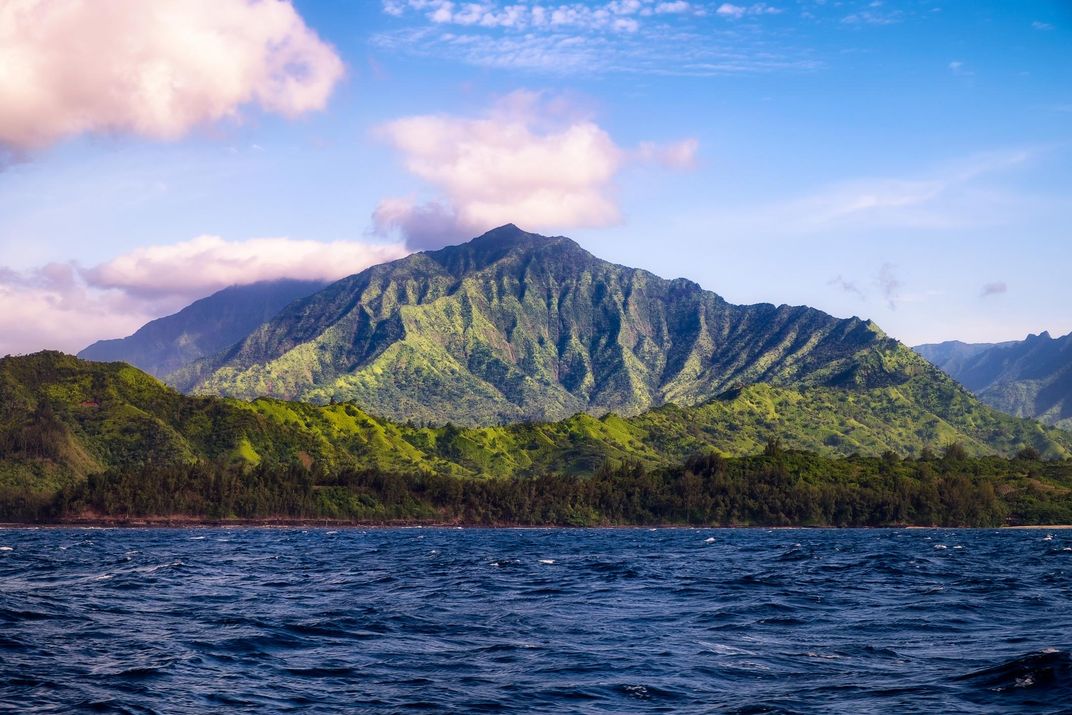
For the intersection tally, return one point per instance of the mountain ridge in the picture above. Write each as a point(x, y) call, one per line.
point(514, 326)
point(1026, 378)
point(202, 328)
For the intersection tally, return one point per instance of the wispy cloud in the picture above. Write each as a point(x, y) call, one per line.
point(847, 286)
point(953, 195)
point(995, 288)
point(529, 159)
point(616, 16)
point(957, 68)
point(1041, 25)
point(637, 36)
point(890, 284)
point(874, 17)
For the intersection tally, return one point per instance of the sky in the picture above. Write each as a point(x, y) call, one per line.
point(908, 162)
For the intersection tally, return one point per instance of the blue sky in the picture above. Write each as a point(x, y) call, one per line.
point(903, 161)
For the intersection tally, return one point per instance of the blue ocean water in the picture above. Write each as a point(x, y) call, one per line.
point(586, 621)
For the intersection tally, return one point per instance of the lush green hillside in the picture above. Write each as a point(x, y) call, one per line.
point(203, 328)
point(62, 419)
point(1028, 378)
point(515, 326)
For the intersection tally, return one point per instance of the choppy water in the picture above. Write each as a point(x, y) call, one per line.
point(278, 620)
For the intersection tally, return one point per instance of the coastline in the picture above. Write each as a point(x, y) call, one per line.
point(185, 522)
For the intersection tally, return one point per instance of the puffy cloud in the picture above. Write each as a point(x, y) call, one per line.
point(198, 267)
point(155, 69)
point(66, 307)
point(677, 6)
point(527, 161)
point(425, 226)
point(52, 307)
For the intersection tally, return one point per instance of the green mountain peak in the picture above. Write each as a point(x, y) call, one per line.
point(514, 326)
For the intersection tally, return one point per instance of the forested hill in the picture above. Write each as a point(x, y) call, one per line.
point(62, 419)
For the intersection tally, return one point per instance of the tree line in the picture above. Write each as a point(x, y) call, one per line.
point(776, 488)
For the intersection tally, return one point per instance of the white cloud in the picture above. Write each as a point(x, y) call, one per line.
point(738, 11)
point(527, 161)
point(156, 69)
point(670, 8)
point(208, 263)
point(675, 155)
point(66, 307)
point(52, 307)
point(610, 16)
point(1041, 25)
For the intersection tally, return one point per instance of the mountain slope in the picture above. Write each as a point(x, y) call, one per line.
point(514, 326)
point(204, 327)
point(63, 419)
point(1028, 378)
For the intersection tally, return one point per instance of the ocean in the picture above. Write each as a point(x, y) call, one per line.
point(535, 620)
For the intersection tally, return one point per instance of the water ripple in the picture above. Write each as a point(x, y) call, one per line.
point(585, 621)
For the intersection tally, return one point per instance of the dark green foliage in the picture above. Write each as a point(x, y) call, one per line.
point(786, 488)
point(83, 439)
point(62, 419)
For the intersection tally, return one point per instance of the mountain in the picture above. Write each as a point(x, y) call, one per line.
point(1028, 378)
point(951, 355)
point(516, 326)
point(205, 327)
point(63, 419)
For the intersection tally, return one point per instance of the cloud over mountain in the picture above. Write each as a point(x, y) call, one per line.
point(527, 160)
point(154, 69)
point(194, 268)
point(66, 306)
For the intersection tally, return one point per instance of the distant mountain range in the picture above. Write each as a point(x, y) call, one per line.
point(205, 327)
point(1027, 378)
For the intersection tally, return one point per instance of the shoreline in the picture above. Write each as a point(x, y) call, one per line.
point(290, 523)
